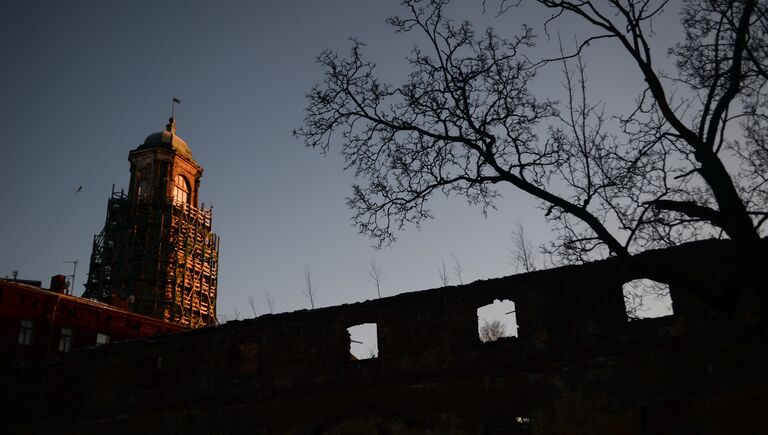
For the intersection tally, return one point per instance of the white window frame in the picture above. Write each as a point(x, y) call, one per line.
point(26, 332)
point(65, 339)
point(102, 338)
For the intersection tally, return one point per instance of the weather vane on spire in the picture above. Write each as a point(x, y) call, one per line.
point(174, 102)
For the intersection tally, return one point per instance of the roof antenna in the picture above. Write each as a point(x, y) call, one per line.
point(74, 274)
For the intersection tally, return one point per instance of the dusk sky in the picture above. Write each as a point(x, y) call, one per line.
point(84, 82)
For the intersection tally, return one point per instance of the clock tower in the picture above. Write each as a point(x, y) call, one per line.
point(157, 255)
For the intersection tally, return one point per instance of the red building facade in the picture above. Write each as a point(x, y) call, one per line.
point(39, 324)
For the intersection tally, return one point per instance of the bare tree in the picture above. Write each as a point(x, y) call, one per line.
point(375, 275)
point(269, 302)
point(465, 120)
point(457, 268)
point(722, 65)
point(522, 254)
point(442, 272)
point(492, 331)
point(308, 291)
point(252, 304)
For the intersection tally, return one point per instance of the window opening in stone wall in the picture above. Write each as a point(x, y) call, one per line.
point(646, 299)
point(65, 339)
point(26, 331)
point(497, 320)
point(363, 341)
point(180, 190)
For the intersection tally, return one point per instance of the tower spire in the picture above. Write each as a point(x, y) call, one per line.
point(171, 126)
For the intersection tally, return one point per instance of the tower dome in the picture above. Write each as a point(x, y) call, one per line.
point(167, 139)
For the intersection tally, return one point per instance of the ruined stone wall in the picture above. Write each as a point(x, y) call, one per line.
point(577, 366)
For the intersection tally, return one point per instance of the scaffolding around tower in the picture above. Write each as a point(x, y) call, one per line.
point(158, 258)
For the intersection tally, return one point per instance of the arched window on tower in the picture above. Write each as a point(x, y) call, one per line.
point(180, 190)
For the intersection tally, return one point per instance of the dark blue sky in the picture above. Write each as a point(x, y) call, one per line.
point(84, 82)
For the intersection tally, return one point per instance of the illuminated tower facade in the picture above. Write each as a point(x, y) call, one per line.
point(157, 255)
